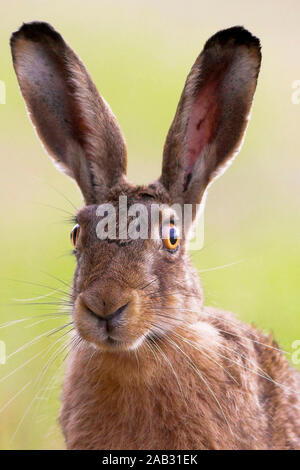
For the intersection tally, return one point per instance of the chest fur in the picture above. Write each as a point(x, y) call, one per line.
point(175, 409)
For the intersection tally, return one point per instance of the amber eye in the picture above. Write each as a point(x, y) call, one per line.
point(171, 237)
point(74, 235)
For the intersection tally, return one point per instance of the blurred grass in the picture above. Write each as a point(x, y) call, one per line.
point(139, 53)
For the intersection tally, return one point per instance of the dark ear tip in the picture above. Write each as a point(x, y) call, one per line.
point(236, 36)
point(34, 31)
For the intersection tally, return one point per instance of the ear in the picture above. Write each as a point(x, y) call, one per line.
point(75, 124)
point(212, 114)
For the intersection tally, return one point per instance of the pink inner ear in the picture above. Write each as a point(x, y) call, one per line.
point(202, 124)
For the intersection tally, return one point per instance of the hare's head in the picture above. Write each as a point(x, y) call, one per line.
point(133, 278)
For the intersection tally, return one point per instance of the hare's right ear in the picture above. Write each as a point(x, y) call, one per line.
point(75, 124)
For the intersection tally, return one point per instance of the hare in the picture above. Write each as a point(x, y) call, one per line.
point(152, 367)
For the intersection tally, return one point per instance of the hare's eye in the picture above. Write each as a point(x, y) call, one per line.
point(171, 237)
point(75, 234)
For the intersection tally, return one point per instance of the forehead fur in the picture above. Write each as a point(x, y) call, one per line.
point(154, 193)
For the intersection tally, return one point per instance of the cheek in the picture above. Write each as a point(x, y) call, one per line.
point(167, 293)
point(140, 315)
point(79, 275)
point(169, 270)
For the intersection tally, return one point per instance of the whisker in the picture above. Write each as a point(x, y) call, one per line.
point(63, 195)
point(56, 354)
point(216, 268)
point(208, 356)
point(157, 295)
point(70, 214)
point(22, 320)
point(62, 303)
point(27, 410)
point(31, 342)
point(2, 379)
point(179, 324)
point(224, 331)
point(13, 322)
point(193, 344)
point(49, 294)
point(148, 284)
point(37, 284)
point(57, 279)
point(41, 321)
point(194, 367)
point(15, 396)
point(59, 328)
point(150, 348)
point(154, 343)
point(263, 374)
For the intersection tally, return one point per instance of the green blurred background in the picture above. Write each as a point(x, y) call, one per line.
point(139, 53)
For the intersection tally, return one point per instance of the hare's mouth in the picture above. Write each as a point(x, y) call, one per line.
point(110, 343)
point(112, 340)
point(117, 344)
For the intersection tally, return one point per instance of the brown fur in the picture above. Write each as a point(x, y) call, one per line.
point(170, 373)
point(119, 401)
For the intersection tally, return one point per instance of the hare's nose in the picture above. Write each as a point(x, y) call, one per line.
point(111, 320)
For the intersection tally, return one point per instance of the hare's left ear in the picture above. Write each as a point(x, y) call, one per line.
point(212, 114)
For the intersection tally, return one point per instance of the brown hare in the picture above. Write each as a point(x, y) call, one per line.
point(151, 367)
